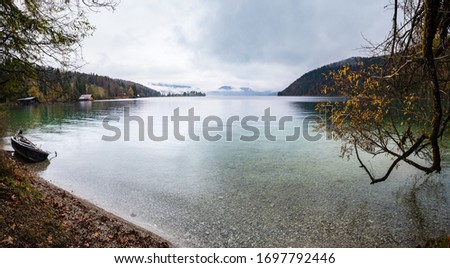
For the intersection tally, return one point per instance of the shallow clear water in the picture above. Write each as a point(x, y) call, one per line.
point(232, 193)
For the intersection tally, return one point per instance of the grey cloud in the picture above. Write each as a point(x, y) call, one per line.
point(286, 31)
point(264, 44)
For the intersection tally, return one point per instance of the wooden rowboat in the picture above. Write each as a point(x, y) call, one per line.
point(27, 149)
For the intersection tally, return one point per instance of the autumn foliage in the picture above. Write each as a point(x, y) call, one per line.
point(402, 107)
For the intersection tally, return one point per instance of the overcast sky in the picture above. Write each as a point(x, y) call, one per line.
point(262, 44)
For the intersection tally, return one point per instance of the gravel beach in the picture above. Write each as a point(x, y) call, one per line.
point(35, 213)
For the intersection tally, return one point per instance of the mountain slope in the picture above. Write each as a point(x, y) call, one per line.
point(73, 84)
point(54, 85)
point(311, 83)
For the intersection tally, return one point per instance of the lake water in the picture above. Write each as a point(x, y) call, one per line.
point(231, 193)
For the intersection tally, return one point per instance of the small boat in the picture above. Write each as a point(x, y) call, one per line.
point(27, 149)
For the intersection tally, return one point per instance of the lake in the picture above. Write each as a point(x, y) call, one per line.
point(234, 181)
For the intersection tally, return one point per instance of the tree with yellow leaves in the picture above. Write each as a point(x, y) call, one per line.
point(131, 92)
point(401, 108)
point(35, 92)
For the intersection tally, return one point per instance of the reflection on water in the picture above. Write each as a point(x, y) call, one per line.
point(36, 167)
point(233, 194)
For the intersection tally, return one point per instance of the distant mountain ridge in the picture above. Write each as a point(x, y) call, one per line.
point(311, 83)
point(239, 91)
point(225, 90)
point(169, 89)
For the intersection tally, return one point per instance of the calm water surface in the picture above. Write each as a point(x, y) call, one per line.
point(232, 193)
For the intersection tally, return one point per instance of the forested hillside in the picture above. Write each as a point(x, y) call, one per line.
point(312, 83)
point(53, 85)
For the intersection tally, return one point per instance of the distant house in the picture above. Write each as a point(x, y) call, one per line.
point(86, 97)
point(27, 101)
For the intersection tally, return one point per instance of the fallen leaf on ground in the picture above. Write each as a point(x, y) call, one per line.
point(50, 239)
point(8, 241)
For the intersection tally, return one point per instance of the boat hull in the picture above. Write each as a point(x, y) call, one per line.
point(28, 151)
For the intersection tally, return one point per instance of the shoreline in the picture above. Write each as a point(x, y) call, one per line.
point(82, 223)
point(70, 221)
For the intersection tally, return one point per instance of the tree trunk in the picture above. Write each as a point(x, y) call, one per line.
point(430, 30)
